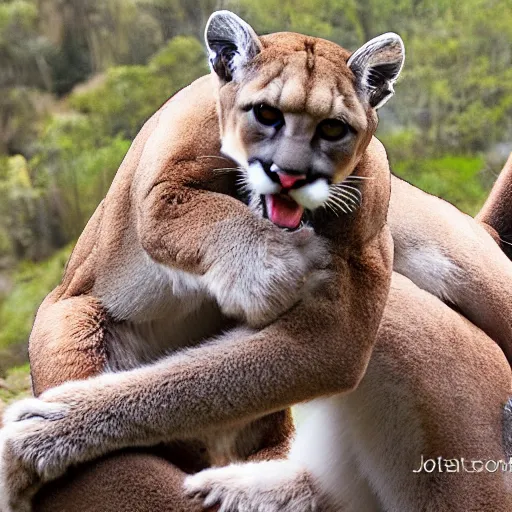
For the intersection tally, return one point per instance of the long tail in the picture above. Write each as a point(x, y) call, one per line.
point(496, 213)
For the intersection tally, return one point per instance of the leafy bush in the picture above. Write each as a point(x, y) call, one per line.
point(402, 144)
point(19, 210)
point(75, 165)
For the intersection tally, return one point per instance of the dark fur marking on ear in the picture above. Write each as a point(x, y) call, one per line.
point(382, 72)
point(376, 66)
point(222, 63)
point(232, 43)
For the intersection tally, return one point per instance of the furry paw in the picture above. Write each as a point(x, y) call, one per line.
point(41, 439)
point(15, 480)
point(274, 486)
point(259, 281)
point(19, 462)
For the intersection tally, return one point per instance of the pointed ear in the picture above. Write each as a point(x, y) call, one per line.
point(231, 44)
point(377, 65)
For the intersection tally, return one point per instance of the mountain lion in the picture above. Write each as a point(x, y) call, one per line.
point(293, 284)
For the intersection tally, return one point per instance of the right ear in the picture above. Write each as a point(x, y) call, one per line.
point(231, 44)
point(377, 65)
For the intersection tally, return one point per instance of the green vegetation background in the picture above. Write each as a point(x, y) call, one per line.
point(78, 78)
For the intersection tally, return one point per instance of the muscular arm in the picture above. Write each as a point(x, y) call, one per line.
point(186, 219)
point(255, 270)
point(321, 346)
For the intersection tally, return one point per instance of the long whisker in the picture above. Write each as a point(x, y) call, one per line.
point(225, 170)
point(345, 195)
point(340, 203)
point(214, 156)
point(348, 188)
point(337, 207)
point(341, 195)
point(331, 207)
point(334, 208)
point(345, 186)
point(348, 192)
point(352, 191)
point(242, 181)
point(243, 184)
point(353, 177)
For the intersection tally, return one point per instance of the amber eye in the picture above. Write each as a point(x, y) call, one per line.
point(332, 129)
point(269, 116)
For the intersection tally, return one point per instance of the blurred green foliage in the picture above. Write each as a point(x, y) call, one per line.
point(131, 94)
point(31, 283)
point(78, 78)
point(16, 385)
point(450, 177)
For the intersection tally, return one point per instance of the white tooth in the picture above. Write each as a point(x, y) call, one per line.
point(259, 182)
point(313, 195)
point(275, 168)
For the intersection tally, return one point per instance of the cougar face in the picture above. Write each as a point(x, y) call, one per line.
point(296, 113)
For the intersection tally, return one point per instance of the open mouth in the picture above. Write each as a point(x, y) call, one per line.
point(282, 210)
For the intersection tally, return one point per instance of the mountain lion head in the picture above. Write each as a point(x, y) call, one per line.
point(297, 112)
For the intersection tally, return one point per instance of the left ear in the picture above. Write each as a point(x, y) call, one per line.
point(377, 66)
point(231, 43)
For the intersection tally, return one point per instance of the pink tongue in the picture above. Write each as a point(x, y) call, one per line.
point(283, 211)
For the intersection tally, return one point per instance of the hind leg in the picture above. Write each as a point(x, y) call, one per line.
point(127, 482)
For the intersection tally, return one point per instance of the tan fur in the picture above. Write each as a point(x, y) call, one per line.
point(167, 257)
point(108, 485)
point(436, 386)
point(450, 255)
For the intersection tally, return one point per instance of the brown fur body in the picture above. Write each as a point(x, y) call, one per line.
point(436, 387)
point(461, 416)
point(139, 285)
point(447, 253)
point(136, 288)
